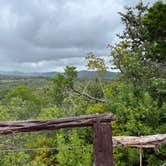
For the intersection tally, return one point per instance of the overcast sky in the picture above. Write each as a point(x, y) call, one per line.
point(47, 35)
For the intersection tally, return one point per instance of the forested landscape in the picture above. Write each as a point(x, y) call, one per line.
point(135, 93)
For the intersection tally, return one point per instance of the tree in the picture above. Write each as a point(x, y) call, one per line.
point(133, 28)
point(138, 99)
point(58, 88)
point(23, 103)
point(96, 63)
point(154, 21)
point(134, 55)
point(64, 86)
point(70, 76)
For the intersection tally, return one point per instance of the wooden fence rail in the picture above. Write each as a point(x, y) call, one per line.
point(149, 141)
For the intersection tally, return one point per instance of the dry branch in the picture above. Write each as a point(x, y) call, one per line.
point(89, 97)
point(150, 141)
point(10, 127)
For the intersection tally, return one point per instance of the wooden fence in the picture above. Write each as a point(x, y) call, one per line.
point(100, 123)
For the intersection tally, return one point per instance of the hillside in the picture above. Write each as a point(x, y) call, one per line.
point(81, 74)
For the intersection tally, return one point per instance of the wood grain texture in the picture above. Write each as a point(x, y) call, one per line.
point(149, 141)
point(9, 127)
point(102, 143)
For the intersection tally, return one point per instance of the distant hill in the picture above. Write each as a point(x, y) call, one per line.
point(81, 74)
point(22, 74)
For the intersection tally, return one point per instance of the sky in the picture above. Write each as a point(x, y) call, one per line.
point(47, 35)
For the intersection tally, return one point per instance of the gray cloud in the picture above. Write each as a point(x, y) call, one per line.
point(46, 35)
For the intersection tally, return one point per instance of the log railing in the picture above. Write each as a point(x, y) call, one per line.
point(149, 141)
point(100, 123)
point(102, 134)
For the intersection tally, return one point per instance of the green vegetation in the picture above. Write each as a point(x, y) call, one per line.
point(137, 97)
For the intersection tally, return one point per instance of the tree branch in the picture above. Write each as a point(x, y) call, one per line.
point(89, 97)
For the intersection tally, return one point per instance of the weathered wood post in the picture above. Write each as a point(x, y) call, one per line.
point(102, 143)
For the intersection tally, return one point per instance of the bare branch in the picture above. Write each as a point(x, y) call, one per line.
point(89, 97)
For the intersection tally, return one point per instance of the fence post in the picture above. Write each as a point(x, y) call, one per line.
point(102, 143)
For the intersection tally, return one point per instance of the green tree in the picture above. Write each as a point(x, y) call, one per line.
point(96, 63)
point(22, 103)
point(138, 98)
point(63, 82)
point(139, 55)
point(154, 21)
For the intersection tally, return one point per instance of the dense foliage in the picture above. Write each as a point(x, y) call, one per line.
point(137, 97)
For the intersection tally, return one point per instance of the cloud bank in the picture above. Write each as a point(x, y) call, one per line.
point(47, 35)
